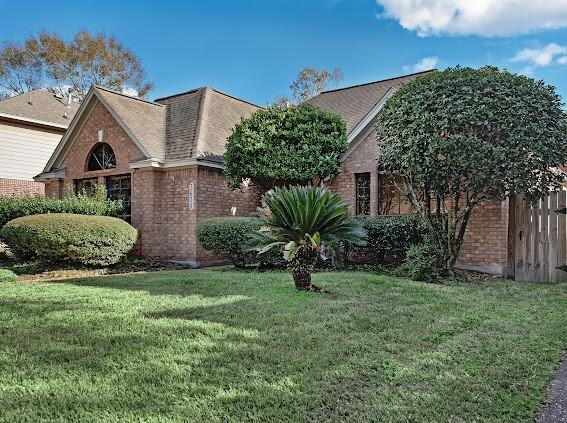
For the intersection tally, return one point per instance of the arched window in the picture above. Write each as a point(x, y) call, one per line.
point(102, 157)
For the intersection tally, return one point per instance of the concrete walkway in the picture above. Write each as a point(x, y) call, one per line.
point(555, 408)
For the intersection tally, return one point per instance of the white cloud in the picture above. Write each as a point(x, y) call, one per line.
point(130, 91)
point(543, 56)
point(424, 64)
point(475, 17)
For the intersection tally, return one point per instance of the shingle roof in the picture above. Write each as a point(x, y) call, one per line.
point(354, 103)
point(146, 120)
point(200, 121)
point(40, 106)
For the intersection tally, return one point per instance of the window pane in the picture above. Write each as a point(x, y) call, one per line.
point(86, 186)
point(362, 193)
point(101, 158)
point(390, 199)
point(118, 188)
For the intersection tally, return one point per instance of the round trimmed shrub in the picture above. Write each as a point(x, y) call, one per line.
point(230, 235)
point(7, 275)
point(82, 239)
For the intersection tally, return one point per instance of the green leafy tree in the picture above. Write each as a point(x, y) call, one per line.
point(464, 137)
point(285, 146)
point(307, 224)
point(47, 60)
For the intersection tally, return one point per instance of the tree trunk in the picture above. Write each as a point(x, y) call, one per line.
point(301, 268)
point(302, 278)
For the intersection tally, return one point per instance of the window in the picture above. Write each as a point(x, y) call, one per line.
point(102, 157)
point(362, 193)
point(118, 188)
point(86, 186)
point(391, 199)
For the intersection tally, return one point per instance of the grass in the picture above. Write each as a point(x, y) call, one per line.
point(238, 346)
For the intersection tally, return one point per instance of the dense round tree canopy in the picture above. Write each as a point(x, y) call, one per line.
point(284, 146)
point(465, 136)
point(481, 131)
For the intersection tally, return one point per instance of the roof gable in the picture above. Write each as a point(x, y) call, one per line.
point(200, 121)
point(143, 121)
point(356, 103)
point(129, 115)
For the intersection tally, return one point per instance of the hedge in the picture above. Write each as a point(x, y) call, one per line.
point(13, 207)
point(81, 239)
point(389, 238)
point(229, 235)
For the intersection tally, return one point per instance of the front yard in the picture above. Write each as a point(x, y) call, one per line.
point(237, 346)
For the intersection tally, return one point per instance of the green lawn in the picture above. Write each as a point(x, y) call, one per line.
point(236, 346)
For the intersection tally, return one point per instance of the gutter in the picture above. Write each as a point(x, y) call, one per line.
point(36, 122)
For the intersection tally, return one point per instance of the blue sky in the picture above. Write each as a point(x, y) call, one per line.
point(254, 48)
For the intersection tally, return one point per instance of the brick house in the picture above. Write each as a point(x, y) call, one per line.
point(31, 126)
point(164, 158)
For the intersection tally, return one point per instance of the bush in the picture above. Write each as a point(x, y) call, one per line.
point(7, 275)
point(389, 238)
point(13, 207)
point(81, 239)
point(229, 235)
point(421, 263)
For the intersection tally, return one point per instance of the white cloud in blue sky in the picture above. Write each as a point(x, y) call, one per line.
point(543, 56)
point(486, 18)
point(426, 63)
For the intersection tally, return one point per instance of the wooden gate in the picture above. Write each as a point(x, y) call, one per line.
point(540, 253)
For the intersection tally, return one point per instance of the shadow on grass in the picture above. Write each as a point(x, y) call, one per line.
point(81, 358)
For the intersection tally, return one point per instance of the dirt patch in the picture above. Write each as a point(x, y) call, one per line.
point(40, 272)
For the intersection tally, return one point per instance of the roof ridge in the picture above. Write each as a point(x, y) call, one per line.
point(381, 80)
point(233, 97)
point(180, 94)
point(206, 87)
point(99, 87)
point(199, 122)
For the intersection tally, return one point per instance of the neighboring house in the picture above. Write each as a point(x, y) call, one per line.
point(164, 158)
point(31, 126)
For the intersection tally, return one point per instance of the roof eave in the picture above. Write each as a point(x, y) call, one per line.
point(354, 139)
point(35, 122)
point(154, 163)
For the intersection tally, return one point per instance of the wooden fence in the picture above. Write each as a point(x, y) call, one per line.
point(540, 239)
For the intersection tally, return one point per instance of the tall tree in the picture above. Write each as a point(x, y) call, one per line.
point(21, 69)
point(464, 137)
point(310, 82)
point(47, 60)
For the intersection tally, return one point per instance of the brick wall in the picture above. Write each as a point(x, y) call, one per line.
point(55, 188)
point(215, 199)
point(361, 160)
point(486, 240)
point(19, 188)
point(162, 214)
point(146, 211)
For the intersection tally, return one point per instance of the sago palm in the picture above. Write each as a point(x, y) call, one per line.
point(305, 223)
